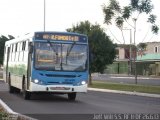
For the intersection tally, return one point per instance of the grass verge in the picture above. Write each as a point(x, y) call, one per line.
point(3, 114)
point(126, 87)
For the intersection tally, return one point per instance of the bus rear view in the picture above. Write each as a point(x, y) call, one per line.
point(57, 63)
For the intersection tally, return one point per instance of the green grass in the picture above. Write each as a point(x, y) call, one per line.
point(126, 87)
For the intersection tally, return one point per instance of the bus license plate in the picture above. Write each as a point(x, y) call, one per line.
point(59, 88)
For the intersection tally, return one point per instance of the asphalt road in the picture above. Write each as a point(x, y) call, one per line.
point(86, 105)
point(126, 79)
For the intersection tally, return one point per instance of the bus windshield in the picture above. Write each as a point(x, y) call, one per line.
point(60, 56)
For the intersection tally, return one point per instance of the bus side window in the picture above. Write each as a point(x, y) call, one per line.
point(11, 52)
point(16, 52)
point(20, 46)
point(12, 47)
point(25, 57)
point(8, 52)
point(24, 46)
point(23, 49)
point(20, 51)
point(16, 47)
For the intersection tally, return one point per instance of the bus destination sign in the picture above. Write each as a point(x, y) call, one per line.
point(60, 37)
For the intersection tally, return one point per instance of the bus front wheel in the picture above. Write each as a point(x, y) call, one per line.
point(26, 95)
point(72, 96)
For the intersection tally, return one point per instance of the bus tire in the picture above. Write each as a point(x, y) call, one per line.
point(26, 94)
point(11, 88)
point(72, 96)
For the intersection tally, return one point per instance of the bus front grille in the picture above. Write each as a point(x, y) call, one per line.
point(65, 76)
point(69, 83)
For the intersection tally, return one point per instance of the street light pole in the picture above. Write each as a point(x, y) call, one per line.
point(44, 24)
point(135, 55)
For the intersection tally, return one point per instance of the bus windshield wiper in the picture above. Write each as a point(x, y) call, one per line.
point(70, 49)
point(52, 47)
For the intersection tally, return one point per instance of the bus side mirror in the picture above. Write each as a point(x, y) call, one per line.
point(30, 47)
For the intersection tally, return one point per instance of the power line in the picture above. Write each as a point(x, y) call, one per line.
point(145, 35)
point(114, 36)
point(151, 38)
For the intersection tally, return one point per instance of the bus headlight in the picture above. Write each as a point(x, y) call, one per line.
point(36, 81)
point(83, 82)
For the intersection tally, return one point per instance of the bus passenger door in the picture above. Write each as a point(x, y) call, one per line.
point(7, 60)
point(30, 51)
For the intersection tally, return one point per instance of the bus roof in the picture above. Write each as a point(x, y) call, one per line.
point(20, 38)
point(32, 35)
point(71, 33)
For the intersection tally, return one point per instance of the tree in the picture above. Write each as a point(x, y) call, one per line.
point(142, 46)
point(102, 50)
point(124, 15)
point(3, 39)
point(114, 12)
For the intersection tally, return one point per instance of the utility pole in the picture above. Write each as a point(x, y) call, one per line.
point(135, 55)
point(130, 51)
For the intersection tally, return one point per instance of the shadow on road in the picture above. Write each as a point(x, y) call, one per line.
point(46, 97)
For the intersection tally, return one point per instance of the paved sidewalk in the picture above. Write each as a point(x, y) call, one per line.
point(126, 92)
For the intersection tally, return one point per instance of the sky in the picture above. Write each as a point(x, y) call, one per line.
point(18, 17)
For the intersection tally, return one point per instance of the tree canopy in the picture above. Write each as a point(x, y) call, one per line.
point(130, 14)
point(102, 50)
point(3, 39)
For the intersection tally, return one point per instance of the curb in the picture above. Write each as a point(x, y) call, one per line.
point(13, 115)
point(6, 108)
point(126, 92)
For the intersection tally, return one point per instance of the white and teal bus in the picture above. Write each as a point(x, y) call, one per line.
point(50, 62)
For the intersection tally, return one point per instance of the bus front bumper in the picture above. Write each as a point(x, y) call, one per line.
point(57, 88)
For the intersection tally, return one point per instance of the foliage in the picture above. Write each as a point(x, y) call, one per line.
point(121, 15)
point(142, 46)
point(102, 50)
point(3, 39)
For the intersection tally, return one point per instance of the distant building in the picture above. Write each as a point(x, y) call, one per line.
point(148, 59)
point(122, 63)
